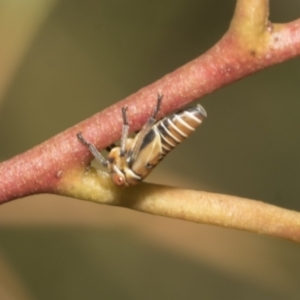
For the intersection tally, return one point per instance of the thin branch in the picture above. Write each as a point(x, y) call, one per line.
point(195, 206)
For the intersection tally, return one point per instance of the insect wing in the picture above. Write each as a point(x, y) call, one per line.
point(149, 155)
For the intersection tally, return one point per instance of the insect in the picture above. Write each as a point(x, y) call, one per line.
point(136, 157)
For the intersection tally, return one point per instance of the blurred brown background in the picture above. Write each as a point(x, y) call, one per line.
point(61, 62)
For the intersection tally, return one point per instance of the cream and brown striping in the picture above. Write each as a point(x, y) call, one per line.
point(136, 157)
point(174, 129)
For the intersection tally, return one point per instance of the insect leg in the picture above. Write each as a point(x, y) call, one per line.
point(156, 109)
point(152, 119)
point(146, 128)
point(125, 130)
point(93, 149)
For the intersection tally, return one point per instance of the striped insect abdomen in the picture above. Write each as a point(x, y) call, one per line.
point(163, 137)
point(174, 129)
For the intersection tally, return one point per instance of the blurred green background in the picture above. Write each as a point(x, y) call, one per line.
point(63, 61)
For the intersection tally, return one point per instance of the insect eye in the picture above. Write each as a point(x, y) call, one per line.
point(118, 179)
